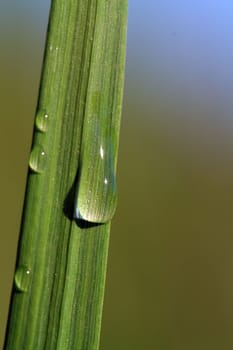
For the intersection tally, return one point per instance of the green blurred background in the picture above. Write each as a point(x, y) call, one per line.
point(170, 282)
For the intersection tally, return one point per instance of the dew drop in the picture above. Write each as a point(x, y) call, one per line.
point(42, 119)
point(37, 160)
point(22, 278)
point(96, 199)
point(96, 191)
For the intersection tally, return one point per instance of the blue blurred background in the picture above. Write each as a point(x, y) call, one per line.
point(170, 282)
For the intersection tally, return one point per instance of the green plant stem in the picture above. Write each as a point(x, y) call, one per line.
point(61, 265)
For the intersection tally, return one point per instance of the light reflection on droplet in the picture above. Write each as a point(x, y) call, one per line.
point(101, 152)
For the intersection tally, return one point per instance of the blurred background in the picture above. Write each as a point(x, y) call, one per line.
point(170, 281)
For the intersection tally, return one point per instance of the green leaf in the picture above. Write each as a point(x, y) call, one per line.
point(61, 265)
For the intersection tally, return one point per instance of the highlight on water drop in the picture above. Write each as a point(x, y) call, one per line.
point(37, 160)
point(42, 120)
point(22, 278)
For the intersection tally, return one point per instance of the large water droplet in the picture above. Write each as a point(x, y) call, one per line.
point(42, 120)
point(37, 160)
point(22, 278)
point(96, 197)
point(96, 194)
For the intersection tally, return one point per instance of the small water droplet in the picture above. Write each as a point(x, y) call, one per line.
point(37, 160)
point(22, 278)
point(42, 119)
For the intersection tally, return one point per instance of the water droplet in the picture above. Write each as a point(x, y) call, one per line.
point(96, 193)
point(42, 119)
point(37, 160)
point(22, 278)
